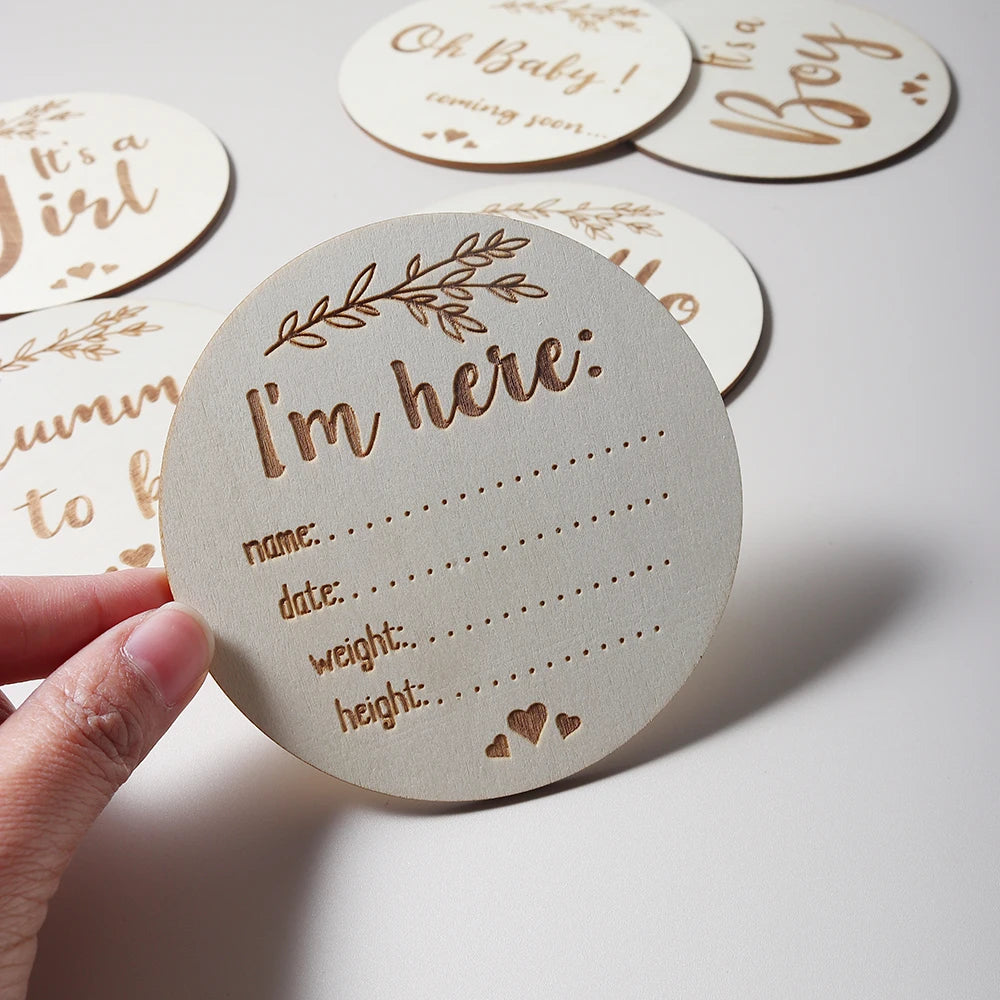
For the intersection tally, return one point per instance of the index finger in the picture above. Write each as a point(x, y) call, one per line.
point(44, 620)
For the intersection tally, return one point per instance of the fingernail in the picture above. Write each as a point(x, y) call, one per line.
point(173, 648)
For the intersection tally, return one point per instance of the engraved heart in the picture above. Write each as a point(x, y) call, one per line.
point(451, 134)
point(567, 724)
point(61, 283)
point(137, 558)
point(108, 268)
point(911, 88)
point(428, 135)
point(472, 145)
point(83, 271)
point(530, 723)
point(499, 747)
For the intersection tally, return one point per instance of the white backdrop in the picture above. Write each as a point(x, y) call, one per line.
point(817, 814)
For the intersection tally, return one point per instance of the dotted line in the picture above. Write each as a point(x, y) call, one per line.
point(603, 647)
point(503, 548)
point(536, 473)
point(578, 592)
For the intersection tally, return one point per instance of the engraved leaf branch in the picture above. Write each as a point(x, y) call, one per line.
point(585, 16)
point(596, 221)
point(442, 291)
point(28, 124)
point(89, 342)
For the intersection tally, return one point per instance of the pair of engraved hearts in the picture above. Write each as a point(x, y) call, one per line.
point(83, 271)
point(452, 135)
point(529, 723)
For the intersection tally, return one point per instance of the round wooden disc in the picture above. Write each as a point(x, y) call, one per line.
point(459, 499)
point(483, 83)
point(696, 273)
point(88, 393)
point(798, 90)
point(97, 191)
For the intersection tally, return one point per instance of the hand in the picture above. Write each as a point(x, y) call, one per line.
point(117, 675)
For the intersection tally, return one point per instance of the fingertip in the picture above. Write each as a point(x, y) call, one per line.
point(172, 647)
point(150, 582)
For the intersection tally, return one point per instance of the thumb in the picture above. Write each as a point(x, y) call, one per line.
point(72, 744)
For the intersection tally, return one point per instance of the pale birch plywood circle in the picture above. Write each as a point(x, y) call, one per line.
point(520, 539)
point(507, 82)
point(88, 392)
point(786, 90)
point(696, 273)
point(97, 191)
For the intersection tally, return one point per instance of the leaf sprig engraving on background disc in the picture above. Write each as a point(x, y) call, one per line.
point(28, 125)
point(444, 296)
point(584, 16)
point(595, 220)
point(89, 342)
